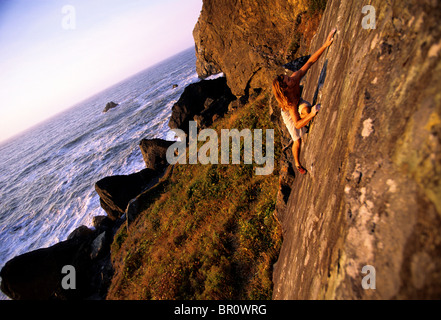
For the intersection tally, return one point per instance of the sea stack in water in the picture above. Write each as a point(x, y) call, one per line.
point(110, 105)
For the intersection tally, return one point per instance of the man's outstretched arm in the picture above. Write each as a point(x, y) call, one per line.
point(313, 59)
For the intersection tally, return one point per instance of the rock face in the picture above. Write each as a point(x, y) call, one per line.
point(203, 99)
point(373, 154)
point(372, 194)
point(110, 105)
point(247, 40)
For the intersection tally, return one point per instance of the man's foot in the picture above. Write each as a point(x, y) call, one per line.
point(301, 169)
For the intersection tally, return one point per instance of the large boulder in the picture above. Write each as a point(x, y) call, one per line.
point(116, 191)
point(37, 275)
point(193, 101)
point(154, 153)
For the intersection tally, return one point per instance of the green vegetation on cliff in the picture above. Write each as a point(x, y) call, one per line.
point(210, 235)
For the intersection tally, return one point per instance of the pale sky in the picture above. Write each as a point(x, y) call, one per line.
point(55, 53)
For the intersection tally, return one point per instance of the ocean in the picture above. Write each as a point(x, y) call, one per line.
point(48, 173)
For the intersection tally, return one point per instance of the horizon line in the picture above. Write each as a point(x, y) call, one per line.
point(17, 135)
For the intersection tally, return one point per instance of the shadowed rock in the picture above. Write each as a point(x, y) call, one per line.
point(116, 191)
point(38, 275)
point(192, 103)
point(154, 153)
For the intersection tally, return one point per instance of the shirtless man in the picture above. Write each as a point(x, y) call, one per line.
point(296, 112)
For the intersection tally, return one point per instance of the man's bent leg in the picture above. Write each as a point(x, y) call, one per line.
point(296, 146)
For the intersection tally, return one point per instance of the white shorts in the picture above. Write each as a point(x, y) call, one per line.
point(295, 133)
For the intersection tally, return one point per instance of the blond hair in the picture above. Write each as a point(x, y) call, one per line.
point(279, 88)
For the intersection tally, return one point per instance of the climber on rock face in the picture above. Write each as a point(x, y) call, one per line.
point(296, 112)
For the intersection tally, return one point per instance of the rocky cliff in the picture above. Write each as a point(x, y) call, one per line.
point(246, 40)
point(372, 195)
